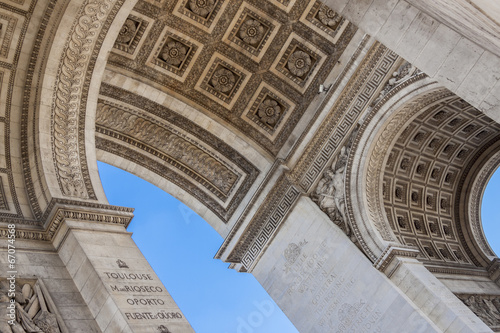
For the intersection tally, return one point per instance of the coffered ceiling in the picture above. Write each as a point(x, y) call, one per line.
point(255, 65)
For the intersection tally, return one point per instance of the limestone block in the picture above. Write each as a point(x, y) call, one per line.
point(323, 283)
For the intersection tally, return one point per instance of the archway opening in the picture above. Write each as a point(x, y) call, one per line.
point(490, 214)
point(179, 245)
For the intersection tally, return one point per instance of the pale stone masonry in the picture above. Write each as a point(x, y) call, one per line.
point(340, 149)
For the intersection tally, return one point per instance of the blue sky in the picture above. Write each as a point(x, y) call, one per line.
point(490, 213)
point(180, 247)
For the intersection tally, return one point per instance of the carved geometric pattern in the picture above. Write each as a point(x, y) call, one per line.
point(298, 63)
point(326, 20)
point(264, 223)
point(8, 24)
point(222, 81)
point(174, 53)
point(272, 223)
point(252, 31)
point(421, 177)
point(380, 63)
point(267, 38)
point(130, 34)
point(269, 109)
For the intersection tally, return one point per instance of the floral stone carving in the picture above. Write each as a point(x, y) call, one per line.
point(269, 112)
point(329, 17)
point(252, 32)
point(299, 63)
point(223, 80)
point(202, 8)
point(127, 32)
point(174, 53)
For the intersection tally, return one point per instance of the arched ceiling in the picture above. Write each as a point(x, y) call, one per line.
point(424, 175)
point(219, 98)
point(253, 65)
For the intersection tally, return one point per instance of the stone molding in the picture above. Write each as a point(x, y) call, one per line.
point(205, 151)
point(70, 96)
point(253, 202)
point(388, 261)
point(61, 210)
point(264, 223)
point(494, 270)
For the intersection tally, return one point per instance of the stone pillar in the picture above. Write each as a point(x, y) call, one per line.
point(429, 294)
point(119, 286)
point(494, 271)
point(323, 283)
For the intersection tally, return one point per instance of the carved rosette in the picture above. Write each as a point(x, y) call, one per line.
point(174, 53)
point(202, 8)
point(127, 32)
point(252, 32)
point(269, 112)
point(299, 63)
point(329, 17)
point(223, 80)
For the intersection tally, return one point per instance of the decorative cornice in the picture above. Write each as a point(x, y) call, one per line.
point(391, 252)
point(456, 270)
point(72, 210)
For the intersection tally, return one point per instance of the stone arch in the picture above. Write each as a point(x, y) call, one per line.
point(415, 155)
point(469, 201)
point(368, 153)
point(61, 114)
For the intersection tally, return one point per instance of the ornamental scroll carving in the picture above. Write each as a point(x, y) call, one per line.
point(32, 307)
point(69, 89)
point(329, 194)
point(180, 149)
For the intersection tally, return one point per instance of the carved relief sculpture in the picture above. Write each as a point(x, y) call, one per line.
point(485, 307)
point(32, 314)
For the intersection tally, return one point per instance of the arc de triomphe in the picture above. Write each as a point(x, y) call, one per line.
point(340, 148)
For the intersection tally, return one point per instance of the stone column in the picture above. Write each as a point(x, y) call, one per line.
point(429, 294)
point(119, 286)
point(323, 283)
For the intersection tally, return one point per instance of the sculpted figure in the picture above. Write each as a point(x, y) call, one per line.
point(31, 313)
point(330, 192)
